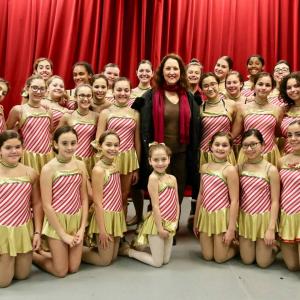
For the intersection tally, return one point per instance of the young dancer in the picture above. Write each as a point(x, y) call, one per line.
point(194, 72)
point(289, 227)
point(259, 202)
point(4, 89)
point(223, 66)
point(125, 121)
point(217, 203)
point(107, 223)
point(20, 203)
point(160, 224)
point(112, 73)
point(65, 203)
point(100, 86)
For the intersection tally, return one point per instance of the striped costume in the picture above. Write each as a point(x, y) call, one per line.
point(114, 218)
point(265, 121)
point(72, 102)
point(255, 203)
point(66, 202)
point(109, 96)
point(123, 121)
point(275, 98)
point(213, 122)
point(2, 119)
point(168, 207)
point(16, 228)
point(289, 227)
point(289, 117)
point(213, 215)
point(35, 129)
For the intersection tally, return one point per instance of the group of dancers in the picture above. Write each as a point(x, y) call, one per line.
point(70, 160)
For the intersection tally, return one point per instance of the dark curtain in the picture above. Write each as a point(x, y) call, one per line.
point(126, 31)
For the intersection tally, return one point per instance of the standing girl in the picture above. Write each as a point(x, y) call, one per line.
point(107, 224)
point(34, 123)
point(84, 121)
point(289, 227)
point(217, 203)
point(4, 89)
point(160, 225)
point(223, 66)
point(125, 121)
point(259, 202)
point(19, 201)
point(193, 72)
point(65, 203)
point(112, 73)
point(100, 86)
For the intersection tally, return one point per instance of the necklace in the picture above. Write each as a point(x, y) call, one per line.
point(8, 165)
point(33, 105)
point(144, 89)
point(62, 160)
point(82, 114)
point(120, 105)
point(260, 104)
point(233, 97)
point(219, 161)
point(106, 161)
point(255, 161)
point(159, 174)
point(211, 103)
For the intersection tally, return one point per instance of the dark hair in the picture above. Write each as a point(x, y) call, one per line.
point(87, 67)
point(48, 82)
point(82, 85)
point(159, 79)
point(283, 61)
point(97, 76)
point(253, 132)
point(208, 74)
point(228, 59)
point(260, 75)
point(111, 65)
point(295, 122)
point(121, 79)
point(259, 57)
point(61, 130)
point(107, 133)
point(31, 78)
point(38, 60)
point(8, 135)
point(6, 83)
point(145, 61)
point(283, 85)
point(154, 146)
point(221, 134)
point(236, 73)
point(194, 62)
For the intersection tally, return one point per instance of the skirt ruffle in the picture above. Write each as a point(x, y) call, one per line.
point(127, 162)
point(206, 157)
point(15, 240)
point(253, 227)
point(149, 228)
point(289, 227)
point(70, 224)
point(36, 160)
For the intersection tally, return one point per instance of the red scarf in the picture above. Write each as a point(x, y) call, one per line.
point(158, 112)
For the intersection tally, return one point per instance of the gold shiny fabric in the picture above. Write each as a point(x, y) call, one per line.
point(289, 227)
point(127, 162)
point(206, 157)
point(36, 160)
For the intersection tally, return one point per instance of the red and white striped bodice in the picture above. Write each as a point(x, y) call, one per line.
point(125, 128)
point(86, 132)
point(290, 190)
point(247, 92)
point(112, 195)
point(287, 119)
point(66, 196)
point(2, 123)
point(215, 195)
point(276, 100)
point(255, 193)
point(56, 116)
point(15, 197)
point(266, 123)
point(168, 202)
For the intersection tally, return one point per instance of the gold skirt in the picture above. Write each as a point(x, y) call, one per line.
point(273, 156)
point(289, 227)
point(15, 240)
point(89, 163)
point(206, 157)
point(127, 162)
point(70, 224)
point(36, 160)
point(215, 222)
point(254, 227)
point(149, 228)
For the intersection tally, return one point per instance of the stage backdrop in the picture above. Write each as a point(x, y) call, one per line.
point(126, 31)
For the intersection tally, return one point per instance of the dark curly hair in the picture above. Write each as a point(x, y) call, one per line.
point(283, 85)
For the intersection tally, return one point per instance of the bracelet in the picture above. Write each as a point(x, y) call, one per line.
point(37, 233)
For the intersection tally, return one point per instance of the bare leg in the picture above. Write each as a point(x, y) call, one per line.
point(23, 265)
point(222, 252)
point(207, 246)
point(247, 251)
point(116, 247)
point(290, 255)
point(6, 269)
point(264, 254)
point(125, 187)
point(75, 254)
point(168, 250)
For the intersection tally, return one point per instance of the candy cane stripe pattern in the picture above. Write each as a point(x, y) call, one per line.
point(215, 195)
point(66, 194)
point(86, 134)
point(212, 125)
point(247, 92)
point(266, 124)
point(2, 123)
point(255, 195)
point(15, 203)
point(167, 204)
point(36, 134)
point(56, 116)
point(290, 193)
point(125, 128)
point(112, 196)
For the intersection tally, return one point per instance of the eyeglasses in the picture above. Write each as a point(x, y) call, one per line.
point(36, 88)
point(212, 84)
point(83, 96)
point(252, 146)
point(278, 70)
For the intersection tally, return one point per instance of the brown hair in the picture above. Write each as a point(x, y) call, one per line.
point(107, 133)
point(260, 75)
point(221, 134)
point(208, 74)
point(82, 85)
point(6, 83)
point(97, 76)
point(52, 78)
point(8, 135)
point(283, 85)
point(121, 79)
point(155, 145)
point(61, 130)
point(38, 60)
point(31, 78)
